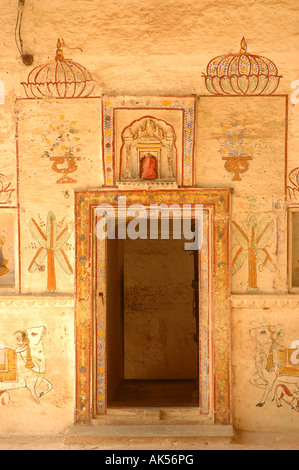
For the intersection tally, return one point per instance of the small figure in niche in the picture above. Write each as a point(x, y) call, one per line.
point(148, 167)
point(3, 262)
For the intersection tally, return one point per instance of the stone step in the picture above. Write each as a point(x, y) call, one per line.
point(106, 434)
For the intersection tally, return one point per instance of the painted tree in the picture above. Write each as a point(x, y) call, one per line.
point(253, 240)
point(51, 246)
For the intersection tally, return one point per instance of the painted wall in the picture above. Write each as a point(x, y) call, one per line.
point(257, 321)
point(49, 324)
point(144, 49)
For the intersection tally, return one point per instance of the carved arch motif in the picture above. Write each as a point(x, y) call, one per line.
point(148, 137)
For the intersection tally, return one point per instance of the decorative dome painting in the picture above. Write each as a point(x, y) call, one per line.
point(242, 74)
point(61, 78)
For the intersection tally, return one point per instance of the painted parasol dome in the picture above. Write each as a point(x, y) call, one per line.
point(61, 78)
point(242, 74)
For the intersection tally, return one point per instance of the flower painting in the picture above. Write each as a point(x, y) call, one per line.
point(64, 146)
point(234, 148)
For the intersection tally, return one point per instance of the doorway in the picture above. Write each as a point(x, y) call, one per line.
point(152, 320)
point(91, 305)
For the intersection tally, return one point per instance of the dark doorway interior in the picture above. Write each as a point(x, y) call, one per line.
point(152, 356)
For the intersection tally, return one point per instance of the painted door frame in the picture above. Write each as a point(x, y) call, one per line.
point(217, 201)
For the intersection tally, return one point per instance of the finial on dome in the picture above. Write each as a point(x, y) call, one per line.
point(243, 46)
point(59, 51)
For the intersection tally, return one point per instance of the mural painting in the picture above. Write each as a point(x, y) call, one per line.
point(144, 140)
point(61, 155)
point(237, 139)
point(149, 138)
point(7, 249)
point(242, 73)
point(3, 262)
point(293, 189)
point(252, 241)
point(25, 366)
point(51, 246)
point(293, 226)
point(234, 148)
point(277, 367)
point(6, 189)
point(63, 142)
point(60, 78)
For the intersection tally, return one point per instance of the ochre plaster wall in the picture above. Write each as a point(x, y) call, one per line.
point(54, 414)
point(143, 48)
point(158, 311)
point(252, 320)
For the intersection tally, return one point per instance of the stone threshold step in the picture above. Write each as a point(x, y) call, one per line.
point(106, 433)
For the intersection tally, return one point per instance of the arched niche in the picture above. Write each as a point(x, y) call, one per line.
point(148, 151)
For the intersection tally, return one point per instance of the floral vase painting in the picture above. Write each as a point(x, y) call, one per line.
point(233, 148)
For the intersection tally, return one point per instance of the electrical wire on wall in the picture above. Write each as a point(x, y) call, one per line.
point(26, 58)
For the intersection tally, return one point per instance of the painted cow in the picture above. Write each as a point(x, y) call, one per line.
point(282, 393)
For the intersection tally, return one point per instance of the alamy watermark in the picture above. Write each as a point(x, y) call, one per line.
point(152, 222)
